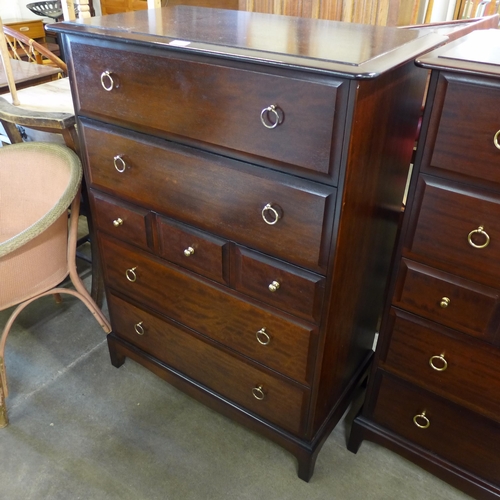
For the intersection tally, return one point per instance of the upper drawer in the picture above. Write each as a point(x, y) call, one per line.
point(446, 362)
point(468, 137)
point(286, 287)
point(216, 194)
point(215, 104)
point(449, 300)
point(456, 229)
point(30, 28)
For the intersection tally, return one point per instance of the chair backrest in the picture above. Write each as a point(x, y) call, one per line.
point(22, 47)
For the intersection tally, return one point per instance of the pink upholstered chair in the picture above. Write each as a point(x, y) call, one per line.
point(38, 183)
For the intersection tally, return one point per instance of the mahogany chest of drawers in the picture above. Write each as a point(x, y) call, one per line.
point(247, 189)
point(434, 393)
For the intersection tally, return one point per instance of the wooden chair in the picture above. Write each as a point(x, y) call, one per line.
point(38, 183)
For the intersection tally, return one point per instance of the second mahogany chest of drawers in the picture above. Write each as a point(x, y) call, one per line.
point(434, 394)
point(246, 191)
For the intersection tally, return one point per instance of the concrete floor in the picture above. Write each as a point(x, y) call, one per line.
point(82, 429)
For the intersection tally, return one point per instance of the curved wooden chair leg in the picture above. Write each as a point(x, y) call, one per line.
point(4, 420)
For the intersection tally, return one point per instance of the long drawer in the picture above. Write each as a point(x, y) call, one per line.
point(290, 120)
point(457, 229)
point(270, 397)
point(450, 431)
point(278, 341)
point(279, 214)
point(468, 139)
point(445, 362)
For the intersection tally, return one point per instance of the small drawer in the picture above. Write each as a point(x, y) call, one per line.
point(465, 305)
point(468, 138)
point(276, 283)
point(278, 341)
point(288, 120)
point(193, 249)
point(260, 392)
point(121, 220)
point(279, 214)
point(456, 229)
point(453, 433)
point(32, 29)
point(445, 362)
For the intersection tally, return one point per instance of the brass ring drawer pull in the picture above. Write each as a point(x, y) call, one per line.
point(445, 302)
point(421, 421)
point(271, 117)
point(107, 81)
point(139, 329)
point(119, 164)
point(441, 365)
point(482, 232)
point(271, 215)
point(118, 222)
point(495, 140)
point(189, 251)
point(130, 274)
point(263, 337)
point(258, 393)
point(274, 286)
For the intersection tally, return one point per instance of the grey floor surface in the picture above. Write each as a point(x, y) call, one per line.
point(82, 429)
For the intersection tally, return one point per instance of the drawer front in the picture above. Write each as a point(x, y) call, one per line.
point(30, 29)
point(445, 218)
point(468, 139)
point(467, 306)
point(286, 345)
point(214, 104)
point(445, 362)
point(286, 287)
point(282, 403)
point(193, 249)
point(216, 194)
point(455, 434)
point(121, 220)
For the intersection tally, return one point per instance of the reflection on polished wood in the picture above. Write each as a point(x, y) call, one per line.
point(27, 74)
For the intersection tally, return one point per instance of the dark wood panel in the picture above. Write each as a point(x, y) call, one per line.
point(282, 403)
point(212, 311)
point(465, 370)
point(216, 194)
point(286, 287)
point(449, 300)
point(213, 104)
point(454, 433)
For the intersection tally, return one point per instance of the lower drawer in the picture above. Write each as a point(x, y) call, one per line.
point(268, 396)
point(448, 430)
point(278, 341)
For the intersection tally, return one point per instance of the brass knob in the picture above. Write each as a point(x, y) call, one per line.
point(189, 251)
point(119, 164)
point(263, 337)
point(421, 421)
point(495, 140)
point(139, 329)
point(272, 116)
point(480, 230)
point(107, 81)
point(274, 286)
point(258, 393)
point(438, 363)
point(130, 274)
point(445, 302)
point(271, 214)
point(118, 222)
